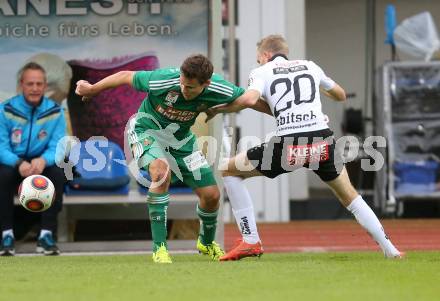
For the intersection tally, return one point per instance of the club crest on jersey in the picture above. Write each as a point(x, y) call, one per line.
point(42, 134)
point(171, 98)
point(16, 135)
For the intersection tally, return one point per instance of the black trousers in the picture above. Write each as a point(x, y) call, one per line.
point(10, 179)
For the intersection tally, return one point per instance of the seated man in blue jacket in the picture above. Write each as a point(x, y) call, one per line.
point(30, 127)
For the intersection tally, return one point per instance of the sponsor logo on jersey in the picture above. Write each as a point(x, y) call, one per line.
point(16, 135)
point(293, 118)
point(287, 70)
point(42, 135)
point(171, 98)
point(202, 107)
point(174, 114)
point(195, 161)
point(309, 153)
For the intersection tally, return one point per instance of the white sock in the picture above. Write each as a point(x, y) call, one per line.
point(242, 208)
point(366, 217)
point(245, 219)
point(44, 232)
point(9, 232)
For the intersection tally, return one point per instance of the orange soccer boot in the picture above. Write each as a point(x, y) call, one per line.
point(242, 250)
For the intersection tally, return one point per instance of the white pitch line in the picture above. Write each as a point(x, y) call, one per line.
point(107, 253)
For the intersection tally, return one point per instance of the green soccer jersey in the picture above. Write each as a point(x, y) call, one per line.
point(166, 104)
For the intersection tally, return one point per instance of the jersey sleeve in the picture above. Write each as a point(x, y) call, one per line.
point(256, 81)
point(237, 92)
point(156, 80)
point(7, 156)
point(226, 91)
point(141, 80)
point(324, 81)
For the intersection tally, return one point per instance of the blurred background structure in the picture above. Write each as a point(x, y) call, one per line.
point(384, 53)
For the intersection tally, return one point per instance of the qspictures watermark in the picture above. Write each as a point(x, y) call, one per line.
point(347, 149)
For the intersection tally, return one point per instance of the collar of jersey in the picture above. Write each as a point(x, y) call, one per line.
point(277, 56)
point(198, 96)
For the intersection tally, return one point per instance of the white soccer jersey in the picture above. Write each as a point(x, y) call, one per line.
point(291, 88)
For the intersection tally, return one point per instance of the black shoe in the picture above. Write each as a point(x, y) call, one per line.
point(7, 247)
point(47, 245)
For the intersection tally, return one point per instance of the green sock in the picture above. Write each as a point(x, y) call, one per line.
point(157, 209)
point(208, 225)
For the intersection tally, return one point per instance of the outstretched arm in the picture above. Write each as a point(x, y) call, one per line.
point(263, 107)
point(250, 99)
point(87, 90)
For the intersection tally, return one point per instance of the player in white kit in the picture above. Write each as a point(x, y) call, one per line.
point(291, 88)
point(243, 211)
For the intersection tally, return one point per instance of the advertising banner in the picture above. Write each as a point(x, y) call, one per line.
point(74, 39)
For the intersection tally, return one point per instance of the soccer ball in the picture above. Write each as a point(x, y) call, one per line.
point(36, 193)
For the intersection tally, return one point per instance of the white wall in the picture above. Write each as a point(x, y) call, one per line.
point(295, 18)
point(335, 36)
point(256, 20)
point(265, 193)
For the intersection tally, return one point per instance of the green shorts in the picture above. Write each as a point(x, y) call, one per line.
point(187, 163)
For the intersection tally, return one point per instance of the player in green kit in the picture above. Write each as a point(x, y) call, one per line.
point(162, 143)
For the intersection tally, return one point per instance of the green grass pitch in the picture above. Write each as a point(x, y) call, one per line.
point(288, 276)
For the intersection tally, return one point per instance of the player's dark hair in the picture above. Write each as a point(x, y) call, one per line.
point(30, 66)
point(197, 66)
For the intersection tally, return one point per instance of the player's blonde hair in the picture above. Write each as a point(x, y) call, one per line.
point(274, 43)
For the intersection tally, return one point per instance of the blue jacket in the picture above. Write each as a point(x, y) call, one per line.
point(28, 132)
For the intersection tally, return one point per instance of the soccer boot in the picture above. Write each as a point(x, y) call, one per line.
point(242, 250)
point(161, 255)
point(7, 246)
point(213, 250)
point(47, 245)
point(401, 255)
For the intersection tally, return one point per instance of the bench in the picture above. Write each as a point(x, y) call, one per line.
point(118, 206)
point(131, 206)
